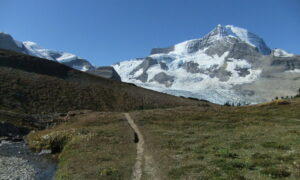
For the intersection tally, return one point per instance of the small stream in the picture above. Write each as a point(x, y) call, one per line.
point(17, 162)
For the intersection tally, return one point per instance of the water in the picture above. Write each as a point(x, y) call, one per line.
point(17, 162)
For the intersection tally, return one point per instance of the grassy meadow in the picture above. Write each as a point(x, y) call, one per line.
point(252, 142)
point(191, 142)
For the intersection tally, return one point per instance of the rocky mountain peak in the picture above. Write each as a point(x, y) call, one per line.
point(8, 42)
point(68, 59)
point(217, 33)
point(242, 35)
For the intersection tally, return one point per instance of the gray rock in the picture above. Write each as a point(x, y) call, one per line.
point(162, 50)
point(54, 54)
point(287, 63)
point(79, 63)
point(191, 67)
point(145, 65)
point(17, 162)
point(274, 79)
point(262, 48)
point(163, 78)
point(230, 44)
point(106, 72)
point(163, 66)
point(7, 42)
point(143, 77)
point(221, 73)
point(220, 47)
point(243, 72)
point(241, 50)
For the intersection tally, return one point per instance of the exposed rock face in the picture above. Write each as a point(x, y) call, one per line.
point(145, 65)
point(163, 78)
point(163, 66)
point(228, 64)
point(7, 42)
point(162, 50)
point(287, 63)
point(106, 72)
point(142, 69)
point(80, 64)
point(243, 72)
point(191, 67)
point(241, 50)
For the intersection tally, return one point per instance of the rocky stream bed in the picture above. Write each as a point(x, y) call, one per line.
point(17, 162)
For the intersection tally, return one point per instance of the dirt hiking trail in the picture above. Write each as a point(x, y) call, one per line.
point(144, 161)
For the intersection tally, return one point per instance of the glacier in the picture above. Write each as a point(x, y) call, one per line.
point(214, 67)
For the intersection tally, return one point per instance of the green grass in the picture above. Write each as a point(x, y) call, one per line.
point(195, 142)
point(90, 146)
point(254, 142)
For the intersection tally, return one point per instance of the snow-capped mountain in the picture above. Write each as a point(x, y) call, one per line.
point(71, 60)
point(31, 48)
point(228, 64)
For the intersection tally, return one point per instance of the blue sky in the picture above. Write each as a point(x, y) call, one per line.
point(108, 31)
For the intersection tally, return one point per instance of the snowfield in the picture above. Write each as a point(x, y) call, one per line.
point(282, 53)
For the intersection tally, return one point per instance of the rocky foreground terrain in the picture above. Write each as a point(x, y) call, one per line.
point(17, 162)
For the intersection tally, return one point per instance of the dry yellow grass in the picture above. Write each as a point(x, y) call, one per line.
point(276, 102)
point(90, 146)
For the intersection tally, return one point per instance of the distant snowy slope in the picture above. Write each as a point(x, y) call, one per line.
point(63, 57)
point(281, 53)
point(71, 60)
point(36, 50)
point(33, 49)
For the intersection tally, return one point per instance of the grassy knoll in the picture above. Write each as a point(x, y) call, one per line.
point(254, 142)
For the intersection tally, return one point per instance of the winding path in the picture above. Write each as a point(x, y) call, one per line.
point(142, 158)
